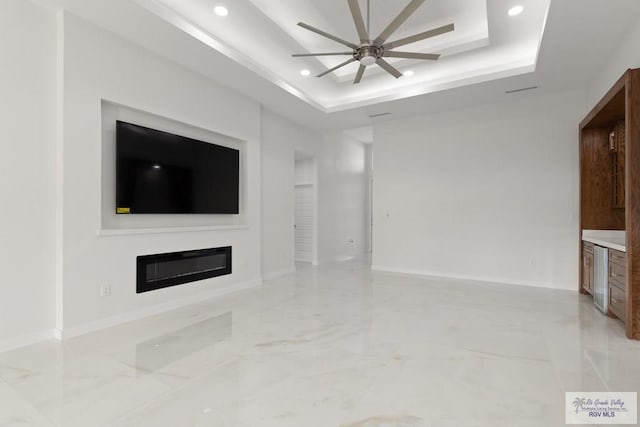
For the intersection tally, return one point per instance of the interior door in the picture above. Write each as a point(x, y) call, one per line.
point(304, 223)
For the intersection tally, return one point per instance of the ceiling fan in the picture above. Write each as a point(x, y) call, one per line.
point(370, 52)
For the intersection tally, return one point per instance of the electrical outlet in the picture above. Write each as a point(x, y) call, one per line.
point(105, 290)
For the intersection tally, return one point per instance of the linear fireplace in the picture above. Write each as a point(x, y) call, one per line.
point(171, 269)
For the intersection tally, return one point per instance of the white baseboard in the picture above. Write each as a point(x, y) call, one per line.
point(339, 258)
point(26, 340)
point(152, 311)
point(279, 273)
point(472, 278)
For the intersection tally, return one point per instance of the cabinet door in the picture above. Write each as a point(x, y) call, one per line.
point(587, 272)
point(591, 260)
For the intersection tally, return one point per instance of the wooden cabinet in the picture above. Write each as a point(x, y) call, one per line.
point(599, 168)
point(610, 189)
point(618, 284)
point(617, 150)
point(587, 267)
point(617, 279)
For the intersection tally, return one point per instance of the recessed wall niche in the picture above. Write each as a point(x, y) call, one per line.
point(111, 223)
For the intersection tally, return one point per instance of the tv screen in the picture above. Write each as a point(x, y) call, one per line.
point(162, 173)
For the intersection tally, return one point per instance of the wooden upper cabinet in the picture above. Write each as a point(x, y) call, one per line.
point(603, 156)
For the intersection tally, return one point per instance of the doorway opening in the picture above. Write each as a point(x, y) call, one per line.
point(305, 203)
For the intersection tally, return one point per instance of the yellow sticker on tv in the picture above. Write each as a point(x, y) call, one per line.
point(123, 210)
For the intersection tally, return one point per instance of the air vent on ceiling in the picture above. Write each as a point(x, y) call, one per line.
point(521, 90)
point(373, 116)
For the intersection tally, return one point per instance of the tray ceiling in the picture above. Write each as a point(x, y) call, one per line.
point(262, 34)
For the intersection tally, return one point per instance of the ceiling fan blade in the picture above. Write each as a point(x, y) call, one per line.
point(389, 68)
point(299, 55)
point(421, 36)
point(359, 74)
point(396, 23)
point(359, 21)
point(327, 35)
point(411, 55)
point(330, 70)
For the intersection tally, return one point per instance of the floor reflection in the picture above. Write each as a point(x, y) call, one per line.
point(331, 346)
point(160, 351)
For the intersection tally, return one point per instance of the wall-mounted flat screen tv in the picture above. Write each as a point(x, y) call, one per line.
point(162, 173)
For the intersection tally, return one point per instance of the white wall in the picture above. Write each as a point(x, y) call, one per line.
point(94, 66)
point(305, 171)
point(97, 66)
point(342, 199)
point(341, 193)
point(488, 193)
point(280, 140)
point(27, 170)
point(627, 55)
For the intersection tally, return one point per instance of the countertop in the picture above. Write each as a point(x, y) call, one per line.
point(608, 238)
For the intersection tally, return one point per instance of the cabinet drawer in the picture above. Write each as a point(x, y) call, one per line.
point(618, 257)
point(587, 247)
point(618, 302)
point(618, 274)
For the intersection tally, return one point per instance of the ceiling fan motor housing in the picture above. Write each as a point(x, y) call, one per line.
point(368, 54)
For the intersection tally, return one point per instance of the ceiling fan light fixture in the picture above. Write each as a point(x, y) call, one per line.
point(221, 11)
point(409, 73)
point(516, 10)
point(368, 55)
point(368, 60)
point(305, 73)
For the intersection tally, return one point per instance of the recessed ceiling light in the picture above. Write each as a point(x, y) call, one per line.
point(305, 72)
point(408, 73)
point(516, 10)
point(221, 10)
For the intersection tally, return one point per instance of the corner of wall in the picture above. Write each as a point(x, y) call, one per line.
point(59, 180)
point(624, 57)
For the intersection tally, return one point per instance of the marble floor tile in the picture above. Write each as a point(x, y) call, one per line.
point(331, 346)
